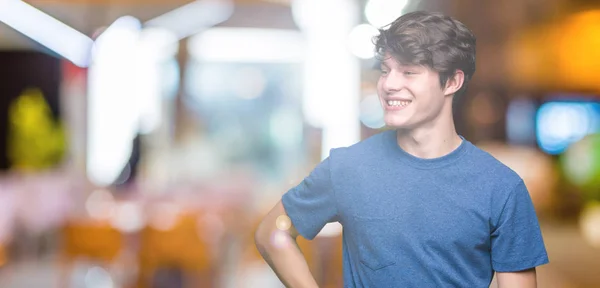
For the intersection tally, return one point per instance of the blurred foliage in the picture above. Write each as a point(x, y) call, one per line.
point(581, 166)
point(35, 140)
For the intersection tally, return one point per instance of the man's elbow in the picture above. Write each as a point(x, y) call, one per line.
point(261, 238)
point(275, 231)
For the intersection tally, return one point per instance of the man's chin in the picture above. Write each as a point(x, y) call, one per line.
point(397, 123)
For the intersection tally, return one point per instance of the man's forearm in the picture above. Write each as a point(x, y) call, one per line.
point(521, 279)
point(282, 253)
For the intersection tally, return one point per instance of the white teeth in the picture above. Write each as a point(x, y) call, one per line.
point(398, 103)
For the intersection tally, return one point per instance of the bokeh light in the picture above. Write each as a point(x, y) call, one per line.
point(164, 216)
point(97, 277)
point(283, 222)
point(100, 204)
point(280, 239)
point(590, 224)
point(285, 128)
point(250, 83)
point(520, 121)
point(360, 41)
point(128, 217)
point(371, 112)
point(383, 12)
point(581, 163)
point(314, 15)
point(561, 123)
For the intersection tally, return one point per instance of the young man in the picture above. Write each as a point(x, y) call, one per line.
point(420, 205)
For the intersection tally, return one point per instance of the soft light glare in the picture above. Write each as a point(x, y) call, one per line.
point(100, 204)
point(285, 127)
point(561, 123)
point(590, 224)
point(97, 277)
point(164, 216)
point(383, 12)
point(46, 30)
point(280, 239)
point(371, 112)
point(520, 121)
point(125, 30)
point(250, 83)
point(579, 163)
point(128, 217)
point(283, 222)
point(194, 17)
point(125, 93)
point(330, 99)
point(155, 48)
point(259, 45)
point(360, 41)
point(313, 16)
point(158, 43)
point(114, 112)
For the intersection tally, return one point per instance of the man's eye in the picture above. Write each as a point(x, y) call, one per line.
point(409, 73)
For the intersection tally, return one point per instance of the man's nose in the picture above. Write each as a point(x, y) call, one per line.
point(393, 82)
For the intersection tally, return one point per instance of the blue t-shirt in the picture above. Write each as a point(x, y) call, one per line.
point(410, 222)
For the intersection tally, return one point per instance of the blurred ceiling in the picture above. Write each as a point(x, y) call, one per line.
point(495, 23)
point(87, 16)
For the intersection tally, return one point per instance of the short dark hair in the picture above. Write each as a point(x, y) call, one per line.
point(432, 39)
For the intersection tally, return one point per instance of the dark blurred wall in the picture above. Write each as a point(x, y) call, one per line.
point(20, 70)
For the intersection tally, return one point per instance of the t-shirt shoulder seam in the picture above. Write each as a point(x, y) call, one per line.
point(510, 195)
point(333, 190)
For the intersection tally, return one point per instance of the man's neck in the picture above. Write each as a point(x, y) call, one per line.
point(433, 141)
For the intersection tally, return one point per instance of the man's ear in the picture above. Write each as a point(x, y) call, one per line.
point(454, 83)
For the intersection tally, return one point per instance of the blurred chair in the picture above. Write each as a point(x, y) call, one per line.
point(3, 256)
point(97, 241)
point(180, 246)
point(330, 250)
point(252, 270)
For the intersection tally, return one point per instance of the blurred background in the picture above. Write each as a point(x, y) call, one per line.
point(142, 141)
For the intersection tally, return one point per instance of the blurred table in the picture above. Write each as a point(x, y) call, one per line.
point(573, 262)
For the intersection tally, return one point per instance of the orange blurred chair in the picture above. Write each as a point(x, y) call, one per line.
point(181, 246)
point(331, 252)
point(3, 256)
point(93, 240)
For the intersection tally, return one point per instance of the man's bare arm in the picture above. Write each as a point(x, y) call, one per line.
point(521, 279)
point(276, 241)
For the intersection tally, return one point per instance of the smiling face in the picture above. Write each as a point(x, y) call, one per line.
point(410, 95)
point(442, 50)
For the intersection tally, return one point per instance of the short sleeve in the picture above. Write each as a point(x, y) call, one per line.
point(516, 239)
point(312, 204)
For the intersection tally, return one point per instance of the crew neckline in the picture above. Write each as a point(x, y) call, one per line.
point(425, 163)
